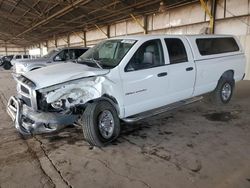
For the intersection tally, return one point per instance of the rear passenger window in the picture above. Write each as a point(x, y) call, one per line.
point(211, 46)
point(176, 51)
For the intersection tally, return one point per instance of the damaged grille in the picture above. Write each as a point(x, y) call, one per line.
point(26, 100)
point(27, 82)
point(26, 92)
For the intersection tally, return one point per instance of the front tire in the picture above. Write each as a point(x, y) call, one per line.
point(100, 123)
point(223, 92)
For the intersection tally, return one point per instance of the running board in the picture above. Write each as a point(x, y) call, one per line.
point(161, 110)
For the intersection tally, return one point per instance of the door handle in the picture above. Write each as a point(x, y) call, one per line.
point(162, 74)
point(189, 69)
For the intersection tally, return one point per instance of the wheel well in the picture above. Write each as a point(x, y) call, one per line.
point(111, 98)
point(35, 68)
point(229, 74)
point(108, 98)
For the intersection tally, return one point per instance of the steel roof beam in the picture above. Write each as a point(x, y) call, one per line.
point(58, 14)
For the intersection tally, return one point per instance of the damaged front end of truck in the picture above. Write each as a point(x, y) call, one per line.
point(37, 109)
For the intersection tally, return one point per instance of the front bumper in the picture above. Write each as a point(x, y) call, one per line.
point(28, 121)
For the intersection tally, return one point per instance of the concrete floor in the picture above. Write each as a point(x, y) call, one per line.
point(197, 146)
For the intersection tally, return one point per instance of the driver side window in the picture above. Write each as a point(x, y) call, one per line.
point(149, 55)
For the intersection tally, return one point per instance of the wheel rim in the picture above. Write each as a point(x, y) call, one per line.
point(226, 91)
point(106, 124)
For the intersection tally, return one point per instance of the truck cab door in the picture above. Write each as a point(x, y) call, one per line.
point(144, 79)
point(182, 70)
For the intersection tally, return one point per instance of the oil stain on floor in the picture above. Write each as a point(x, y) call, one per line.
point(221, 116)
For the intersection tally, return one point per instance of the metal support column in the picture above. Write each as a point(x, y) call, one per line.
point(68, 40)
point(205, 7)
point(55, 39)
point(85, 39)
point(213, 12)
point(108, 31)
point(6, 49)
point(146, 24)
point(225, 8)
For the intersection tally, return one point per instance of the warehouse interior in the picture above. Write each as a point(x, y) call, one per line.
point(197, 146)
point(40, 26)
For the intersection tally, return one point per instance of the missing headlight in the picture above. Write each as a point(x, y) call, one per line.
point(59, 104)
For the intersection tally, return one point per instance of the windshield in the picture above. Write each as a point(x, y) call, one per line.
point(107, 54)
point(50, 53)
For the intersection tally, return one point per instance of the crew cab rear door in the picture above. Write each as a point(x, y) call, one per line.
point(181, 69)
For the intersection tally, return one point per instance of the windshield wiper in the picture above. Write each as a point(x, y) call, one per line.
point(95, 61)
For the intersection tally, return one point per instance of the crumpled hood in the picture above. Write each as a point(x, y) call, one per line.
point(63, 72)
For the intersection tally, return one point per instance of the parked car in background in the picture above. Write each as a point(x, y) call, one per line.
point(17, 58)
point(127, 79)
point(9, 61)
point(59, 55)
point(1, 61)
point(5, 62)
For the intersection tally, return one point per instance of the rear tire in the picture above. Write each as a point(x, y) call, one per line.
point(100, 123)
point(223, 92)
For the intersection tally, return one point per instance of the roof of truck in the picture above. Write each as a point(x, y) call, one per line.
point(148, 36)
point(192, 41)
point(74, 47)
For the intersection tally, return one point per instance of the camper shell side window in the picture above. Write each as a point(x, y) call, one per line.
point(213, 46)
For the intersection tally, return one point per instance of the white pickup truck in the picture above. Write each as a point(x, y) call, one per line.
point(126, 79)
